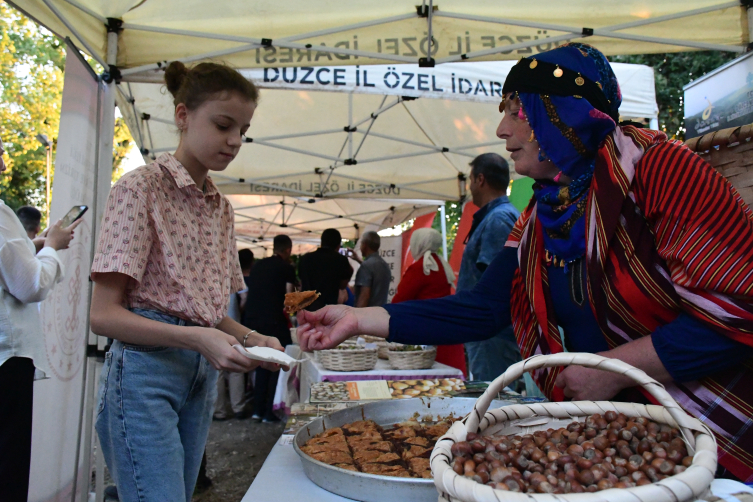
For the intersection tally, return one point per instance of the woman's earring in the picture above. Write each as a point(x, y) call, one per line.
point(533, 137)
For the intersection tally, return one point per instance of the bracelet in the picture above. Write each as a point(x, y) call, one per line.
point(245, 337)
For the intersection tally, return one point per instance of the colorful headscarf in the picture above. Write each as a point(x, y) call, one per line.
point(570, 128)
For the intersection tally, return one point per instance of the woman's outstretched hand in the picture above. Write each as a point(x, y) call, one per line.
point(326, 328)
point(332, 325)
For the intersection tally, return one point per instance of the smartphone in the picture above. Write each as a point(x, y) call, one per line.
point(74, 214)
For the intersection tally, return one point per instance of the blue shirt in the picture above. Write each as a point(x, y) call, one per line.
point(688, 348)
point(491, 226)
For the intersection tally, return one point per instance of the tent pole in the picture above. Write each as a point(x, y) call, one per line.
point(298, 150)
point(350, 125)
point(156, 66)
point(444, 231)
point(75, 33)
point(750, 24)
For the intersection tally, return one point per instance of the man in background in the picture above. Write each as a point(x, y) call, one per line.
point(492, 223)
point(268, 282)
point(373, 276)
point(31, 219)
point(231, 387)
point(325, 270)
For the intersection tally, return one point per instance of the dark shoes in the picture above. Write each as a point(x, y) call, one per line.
point(111, 493)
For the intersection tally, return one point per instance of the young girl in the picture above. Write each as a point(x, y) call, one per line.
point(165, 267)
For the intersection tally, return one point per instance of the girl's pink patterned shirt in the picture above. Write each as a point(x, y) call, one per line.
point(175, 242)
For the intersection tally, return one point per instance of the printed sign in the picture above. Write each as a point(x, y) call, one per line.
point(721, 99)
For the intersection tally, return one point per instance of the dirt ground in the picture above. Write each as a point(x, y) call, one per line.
point(236, 450)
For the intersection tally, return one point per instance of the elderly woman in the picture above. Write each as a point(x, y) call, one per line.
point(632, 245)
point(430, 276)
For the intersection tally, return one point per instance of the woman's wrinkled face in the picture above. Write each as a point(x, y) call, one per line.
point(213, 132)
point(516, 132)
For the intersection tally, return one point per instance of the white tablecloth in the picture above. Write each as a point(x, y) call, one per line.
point(283, 464)
point(295, 385)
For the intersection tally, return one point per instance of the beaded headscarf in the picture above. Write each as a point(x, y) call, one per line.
point(570, 97)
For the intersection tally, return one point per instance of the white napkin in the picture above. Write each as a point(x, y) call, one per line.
point(269, 355)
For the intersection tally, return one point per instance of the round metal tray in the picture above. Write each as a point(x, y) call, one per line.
point(372, 487)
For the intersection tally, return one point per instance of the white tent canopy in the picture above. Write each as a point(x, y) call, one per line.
point(301, 33)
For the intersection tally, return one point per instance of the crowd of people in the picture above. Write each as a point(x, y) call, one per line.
point(618, 253)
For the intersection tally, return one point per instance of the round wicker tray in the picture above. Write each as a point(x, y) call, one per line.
point(348, 360)
point(412, 360)
point(527, 418)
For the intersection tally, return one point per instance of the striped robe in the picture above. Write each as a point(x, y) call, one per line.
point(665, 234)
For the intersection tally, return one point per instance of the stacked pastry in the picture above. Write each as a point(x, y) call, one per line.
point(364, 446)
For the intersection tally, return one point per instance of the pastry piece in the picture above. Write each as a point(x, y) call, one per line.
point(401, 433)
point(372, 445)
point(366, 456)
point(299, 300)
point(334, 431)
point(360, 427)
point(418, 441)
point(349, 467)
point(437, 430)
point(319, 448)
point(373, 435)
point(420, 466)
point(386, 470)
point(328, 440)
point(385, 458)
point(415, 451)
point(333, 457)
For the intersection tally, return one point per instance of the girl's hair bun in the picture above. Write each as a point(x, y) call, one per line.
point(175, 74)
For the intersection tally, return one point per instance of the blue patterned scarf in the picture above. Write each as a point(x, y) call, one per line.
point(569, 131)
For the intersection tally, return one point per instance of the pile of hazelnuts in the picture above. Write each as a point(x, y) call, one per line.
point(609, 451)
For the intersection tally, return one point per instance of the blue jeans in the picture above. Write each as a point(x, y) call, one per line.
point(490, 358)
point(155, 408)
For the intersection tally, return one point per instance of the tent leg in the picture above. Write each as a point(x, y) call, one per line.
point(444, 230)
point(750, 24)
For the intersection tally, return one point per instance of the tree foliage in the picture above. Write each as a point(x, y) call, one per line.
point(32, 62)
point(672, 72)
point(31, 85)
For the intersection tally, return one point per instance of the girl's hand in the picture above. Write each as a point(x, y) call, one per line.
point(271, 342)
point(217, 347)
point(326, 328)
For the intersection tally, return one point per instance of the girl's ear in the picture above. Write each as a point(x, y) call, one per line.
point(181, 116)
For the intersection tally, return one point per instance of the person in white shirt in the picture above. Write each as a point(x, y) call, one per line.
point(28, 272)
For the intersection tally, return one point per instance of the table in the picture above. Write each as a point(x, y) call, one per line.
point(295, 385)
point(283, 464)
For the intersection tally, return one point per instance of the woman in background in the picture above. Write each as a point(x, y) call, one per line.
point(430, 276)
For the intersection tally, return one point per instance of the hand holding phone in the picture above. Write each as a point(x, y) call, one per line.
point(75, 213)
point(59, 236)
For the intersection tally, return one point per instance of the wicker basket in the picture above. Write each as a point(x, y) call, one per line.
point(412, 360)
point(527, 418)
point(348, 360)
point(384, 349)
point(730, 151)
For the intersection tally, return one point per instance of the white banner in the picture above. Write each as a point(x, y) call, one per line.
point(458, 81)
point(390, 250)
point(57, 400)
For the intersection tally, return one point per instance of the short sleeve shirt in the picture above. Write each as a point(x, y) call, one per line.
point(487, 240)
point(266, 292)
point(323, 270)
point(175, 241)
point(374, 273)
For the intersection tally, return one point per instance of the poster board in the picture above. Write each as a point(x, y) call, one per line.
point(720, 99)
point(58, 399)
